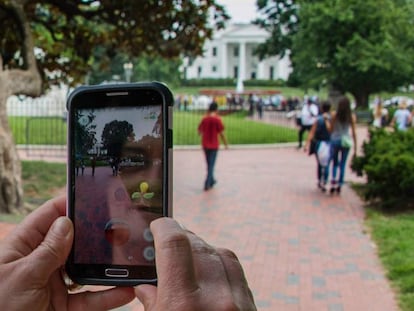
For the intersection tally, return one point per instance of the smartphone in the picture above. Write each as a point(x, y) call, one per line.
point(119, 180)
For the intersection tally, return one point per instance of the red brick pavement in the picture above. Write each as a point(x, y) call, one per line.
point(301, 249)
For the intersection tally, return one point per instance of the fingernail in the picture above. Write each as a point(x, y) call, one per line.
point(61, 226)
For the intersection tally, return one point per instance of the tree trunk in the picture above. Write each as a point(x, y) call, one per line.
point(13, 82)
point(334, 94)
point(361, 99)
point(11, 193)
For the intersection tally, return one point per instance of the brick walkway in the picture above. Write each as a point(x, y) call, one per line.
point(301, 249)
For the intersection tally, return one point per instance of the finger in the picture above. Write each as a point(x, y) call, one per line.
point(210, 271)
point(235, 275)
point(31, 232)
point(173, 257)
point(51, 254)
point(147, 294)
point(102, 300)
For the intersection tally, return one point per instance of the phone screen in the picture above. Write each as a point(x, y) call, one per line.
point(117, 183)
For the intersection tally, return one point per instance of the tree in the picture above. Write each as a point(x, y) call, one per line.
point(146, 68)
point(51, 41)
point(360, 47)
point(85, 138)
point(280, 19)
point(114, 136)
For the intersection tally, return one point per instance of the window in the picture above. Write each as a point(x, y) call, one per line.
point(214, 51)
point(235, 72)
point(199, 69)
point(236, 51)
point(213, 68)
point(253, 75)
point(271, 73)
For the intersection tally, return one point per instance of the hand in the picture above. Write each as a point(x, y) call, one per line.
point(30, 261)
point(193, 275)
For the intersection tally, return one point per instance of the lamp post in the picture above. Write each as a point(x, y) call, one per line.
point(128, 71)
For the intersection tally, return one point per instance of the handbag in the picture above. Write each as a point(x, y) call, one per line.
point(324, 153)
point(346, 141)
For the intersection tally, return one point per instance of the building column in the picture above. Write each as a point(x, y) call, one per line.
point(224, 57)
point(242, 67)
point(261, 74)
point(242, 61)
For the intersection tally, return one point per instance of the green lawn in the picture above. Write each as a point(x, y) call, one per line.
point(41, 181)
point(238, 130)
point(394, 234)
point(38, 130)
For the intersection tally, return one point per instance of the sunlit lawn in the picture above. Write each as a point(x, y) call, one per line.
point(394, 234)
point(239, 130)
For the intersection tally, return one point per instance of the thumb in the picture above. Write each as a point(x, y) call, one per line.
point(51, 254)
point(147, 294)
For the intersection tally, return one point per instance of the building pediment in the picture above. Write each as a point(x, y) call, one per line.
point(243, 31)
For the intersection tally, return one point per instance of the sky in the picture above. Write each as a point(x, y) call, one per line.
point(241, 11)
point(138, 117)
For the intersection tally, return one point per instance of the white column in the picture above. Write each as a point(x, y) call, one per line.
point(224, 57)
point(242, 61)
point(242, 67)
point(261, 71)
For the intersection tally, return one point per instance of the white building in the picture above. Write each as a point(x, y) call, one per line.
point(230, 54)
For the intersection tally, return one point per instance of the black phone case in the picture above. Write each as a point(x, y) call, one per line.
point(167, 210)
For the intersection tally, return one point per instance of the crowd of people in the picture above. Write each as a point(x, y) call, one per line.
point(401, 119)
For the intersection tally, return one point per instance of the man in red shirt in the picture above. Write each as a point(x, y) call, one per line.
point(210, 128)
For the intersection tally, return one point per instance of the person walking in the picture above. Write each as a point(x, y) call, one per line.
point(343, 121)
point(211, 128)
point(402, 117)
point(93, 164)
point(380, 115)
point(320, 133)
point(307, 117)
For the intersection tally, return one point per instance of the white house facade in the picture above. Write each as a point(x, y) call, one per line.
point(230, 54)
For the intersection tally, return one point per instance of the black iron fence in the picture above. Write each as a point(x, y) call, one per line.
point(39, 125)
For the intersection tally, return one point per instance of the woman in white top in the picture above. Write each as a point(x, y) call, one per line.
point(380, 115)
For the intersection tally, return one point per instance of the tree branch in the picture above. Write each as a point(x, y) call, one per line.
point(30, 83)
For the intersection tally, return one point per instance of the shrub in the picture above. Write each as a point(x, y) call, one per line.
point(388, 163)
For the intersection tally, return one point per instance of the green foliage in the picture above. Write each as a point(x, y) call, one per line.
point(268, 83)
point(388, 163)
point(359, 47)
point(208, 82)
point(72, 35)
point(41, 180)
point(145, 68)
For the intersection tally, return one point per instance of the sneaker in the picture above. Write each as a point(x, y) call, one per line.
point(322, 186)
point(333, 187)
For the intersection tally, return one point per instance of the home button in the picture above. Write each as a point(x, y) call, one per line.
point(116, 273)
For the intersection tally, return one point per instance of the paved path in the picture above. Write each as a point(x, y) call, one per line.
point(301, 249)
